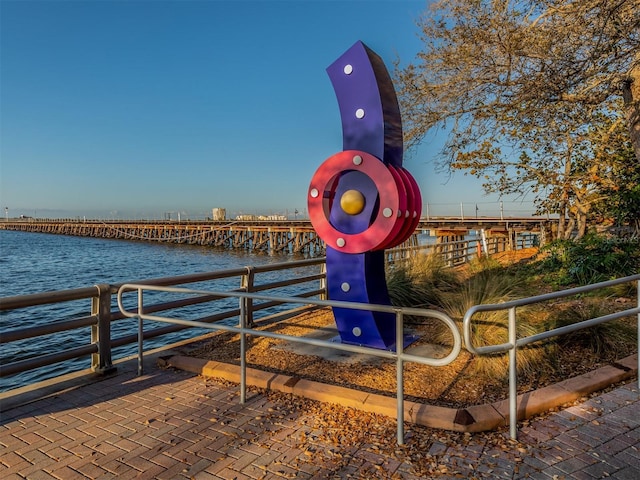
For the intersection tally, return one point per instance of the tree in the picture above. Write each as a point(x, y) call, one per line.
point(622, 204)
point(528, 91)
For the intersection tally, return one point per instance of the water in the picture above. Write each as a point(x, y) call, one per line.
point(35, 263)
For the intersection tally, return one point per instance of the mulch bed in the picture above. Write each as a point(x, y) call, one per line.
point(453, 385)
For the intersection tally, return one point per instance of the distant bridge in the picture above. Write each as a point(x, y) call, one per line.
point(276, 236)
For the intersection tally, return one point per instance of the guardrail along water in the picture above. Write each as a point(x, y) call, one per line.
point(47, 334)
point(96, 333)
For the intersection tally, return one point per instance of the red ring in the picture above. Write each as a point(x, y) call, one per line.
point(416, 209)
point(401, 219)
point(324, 184)
point(417, 196)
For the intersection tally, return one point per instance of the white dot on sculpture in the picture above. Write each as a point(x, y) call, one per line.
point(348, 69)
point(345, 287)
point(359, 113)
point(357, 160)
point(340, 242)
point(387, 212)
point(357, 331)
point(314, 192)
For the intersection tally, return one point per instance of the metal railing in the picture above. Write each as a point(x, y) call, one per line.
point(455, 253)
point(101, 316)
point(514, 343)
point(98, 320)
point(244, 329)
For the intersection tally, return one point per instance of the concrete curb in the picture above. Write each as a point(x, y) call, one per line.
point(475, 418)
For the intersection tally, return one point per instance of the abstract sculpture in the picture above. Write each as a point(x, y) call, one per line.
point(362, 200)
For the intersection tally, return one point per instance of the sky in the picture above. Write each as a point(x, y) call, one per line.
point(149, 109)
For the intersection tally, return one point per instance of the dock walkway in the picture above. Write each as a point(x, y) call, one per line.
point(170, 424)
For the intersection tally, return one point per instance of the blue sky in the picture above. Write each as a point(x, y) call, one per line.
point(130, 109)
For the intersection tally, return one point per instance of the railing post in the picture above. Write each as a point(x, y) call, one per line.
point(140, 332)
point(323, 282)
point(243, 349)
point(101, 332)
point(246, 283)
point(513, 375)
point(400, 376)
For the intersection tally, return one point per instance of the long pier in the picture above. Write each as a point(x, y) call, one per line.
point(274, 237)
point(294, 236)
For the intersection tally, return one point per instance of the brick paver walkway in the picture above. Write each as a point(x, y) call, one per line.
point(171, 424)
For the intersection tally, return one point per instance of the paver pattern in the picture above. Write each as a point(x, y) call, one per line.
point(170, 424)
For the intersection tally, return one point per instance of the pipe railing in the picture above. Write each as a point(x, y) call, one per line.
point(38, 299)
point(514, 343)
point(243, 329)
point(101, 318)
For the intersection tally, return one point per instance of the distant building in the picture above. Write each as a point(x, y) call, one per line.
point(249, 218)
point(276, 217)
point(219, 214)
point(246, 217)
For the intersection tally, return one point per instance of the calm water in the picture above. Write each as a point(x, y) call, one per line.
point(35, 263)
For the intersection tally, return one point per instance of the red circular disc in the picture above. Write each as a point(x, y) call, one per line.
point(320, 201)
point(415, 210)
point(403, 208)
point(417, 201)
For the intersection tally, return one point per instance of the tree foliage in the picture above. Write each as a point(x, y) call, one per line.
point(620, 202)
point(533, 93)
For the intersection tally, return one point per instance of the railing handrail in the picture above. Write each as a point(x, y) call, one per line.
point(101, 315)
point(219, 274)
point(99, 294)
point(437, 362)
point(514, 342)
point(520, 302)
point(58, 296)
point(399, 355)
point(43, 298)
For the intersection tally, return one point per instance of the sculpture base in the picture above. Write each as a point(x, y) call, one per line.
point(408, 339)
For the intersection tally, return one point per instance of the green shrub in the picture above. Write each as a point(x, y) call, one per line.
point(594, 258)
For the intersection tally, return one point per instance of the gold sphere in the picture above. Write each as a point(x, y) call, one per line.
point(352, 202)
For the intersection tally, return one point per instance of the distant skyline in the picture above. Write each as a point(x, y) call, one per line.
point(139, 109)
